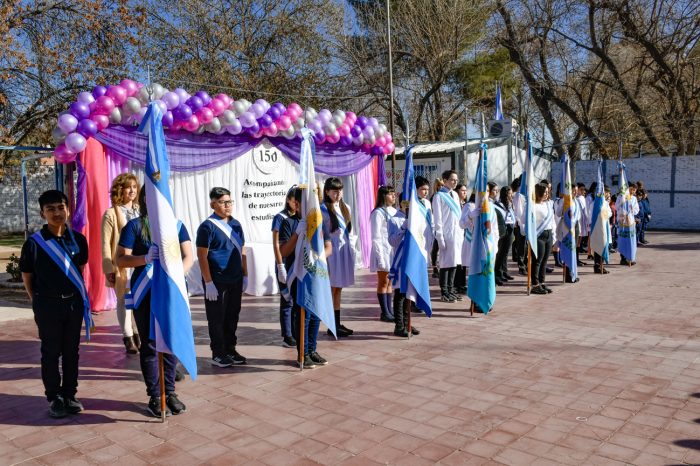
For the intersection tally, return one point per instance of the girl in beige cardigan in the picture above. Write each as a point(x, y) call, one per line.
point(123, 195)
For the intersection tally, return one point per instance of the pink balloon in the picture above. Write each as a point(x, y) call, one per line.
point(117, 93)
point(294, 107)
point(177, 124)
point(284, 122)
point(333, 138)
point(217, 106)
point(62, 154)
point(130, 86)
point(104, 105)
point(205, 115)
point(192, 124)
point(102, 121)
point(389, 148)
point(380, 142)
point(271, 130)
point(344, 129)
point(388, 137)
point(225, 99)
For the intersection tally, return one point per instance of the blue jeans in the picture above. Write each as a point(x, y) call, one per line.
point(311, 326)
point(285, 311)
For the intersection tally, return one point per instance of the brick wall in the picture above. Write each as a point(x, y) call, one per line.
point(656, 173)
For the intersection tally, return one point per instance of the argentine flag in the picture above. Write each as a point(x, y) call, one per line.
point(626, 228)
point(527, 189)
point(310, 266)
point(481, 286)
point(171, 322)
point(567, 224)
point(413, 268)
point(600, 219)
point(498, 114)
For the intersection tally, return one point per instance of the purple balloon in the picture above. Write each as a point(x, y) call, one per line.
point(168, 118)
point(265, 121)
point(362, 122)
point(75, 142)
point(234, 128)
point(247, 119)
point(67, 123)
point(87, 128)
point(315, 126)
point(264, 104)
point(373, 122)
point(376, 150)
point(86, 98)
point(257, 109)
point(195, 103)
point(319, 138)
point(182, 94)
point(254, 128)
point(171, 100)
point(345, 140)
point(182, 112)
point(274, 112)
point(324, 116)
point(80, 110)
point(355, 131)
point(99, 91)
point(206, 98)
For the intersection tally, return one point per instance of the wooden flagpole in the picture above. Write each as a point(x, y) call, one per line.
point(471, 309)
point(602, 267)
point(563, 271)
point(529, 266)
point(302, 331)
point(406, 309)
point(161, 369)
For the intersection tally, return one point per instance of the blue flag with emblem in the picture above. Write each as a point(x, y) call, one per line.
point(310, 266)
point(498, 114)
point(527, 189)
point(412, 271)
point(481, 287)
point(567, 224)
point(626, 225)
point(600, 219)
point(171, 322)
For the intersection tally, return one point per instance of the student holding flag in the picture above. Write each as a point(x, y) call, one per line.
point(567, 211)
point(545, 225)
point(286, 322)
point(381, 253)
point(51, 263)
point(627, 207)
point(448, 234)
point(136, 250)
point(220, 242)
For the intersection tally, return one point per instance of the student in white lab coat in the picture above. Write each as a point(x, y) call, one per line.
point(448, 234)
point(382, 252)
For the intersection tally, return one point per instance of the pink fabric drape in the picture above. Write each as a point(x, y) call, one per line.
point(366, 194)
point(94, 160)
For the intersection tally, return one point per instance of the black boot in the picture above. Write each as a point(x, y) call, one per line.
point(406, 318)
point(399, 316)
point(341, 329)
point(384, 315)
point(389, 307)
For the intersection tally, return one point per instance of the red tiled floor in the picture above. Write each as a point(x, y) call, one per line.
point(597, 373)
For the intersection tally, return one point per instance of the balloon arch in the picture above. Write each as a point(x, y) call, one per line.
point(126, 104)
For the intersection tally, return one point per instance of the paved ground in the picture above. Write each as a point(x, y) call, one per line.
point(602, 372)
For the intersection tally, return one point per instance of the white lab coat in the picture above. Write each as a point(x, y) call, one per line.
point(382, 252)
point(448, 233)
point(583, 218)
point(466, 222)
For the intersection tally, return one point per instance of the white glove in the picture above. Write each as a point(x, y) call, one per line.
point(245, 283)
point(152, 254)
point(281, 273)
point(210, 292)
point(301, 227)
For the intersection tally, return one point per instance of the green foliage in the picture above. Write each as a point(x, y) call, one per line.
point(477, 78)
point(13, 269)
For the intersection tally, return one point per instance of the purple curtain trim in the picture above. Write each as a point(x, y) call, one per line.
point(79, 219)
point(195, 152)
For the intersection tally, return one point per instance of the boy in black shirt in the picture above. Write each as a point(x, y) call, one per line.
point(52, 262)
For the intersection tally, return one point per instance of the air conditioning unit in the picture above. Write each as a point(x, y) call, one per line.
point(501, 128)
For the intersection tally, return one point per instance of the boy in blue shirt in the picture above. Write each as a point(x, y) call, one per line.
point(220, 242)
point(52, 262)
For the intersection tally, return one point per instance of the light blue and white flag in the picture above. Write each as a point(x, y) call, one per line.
point(567, 225)
point(171, 322)
point(412, 270)
point(626, 226)
point(527, 189)
point(481, 287)
point(600, 219)
point(498, 115)
point(310, 266)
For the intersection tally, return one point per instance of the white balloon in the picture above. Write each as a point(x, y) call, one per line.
point(131, 106)
point(214, 126)
point(158, 91)
point(227, 117)
point(115, 117)
point(298, 124)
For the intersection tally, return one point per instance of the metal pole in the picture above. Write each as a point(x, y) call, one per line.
point(161, 370)
point(391, 91)
point(302, 330)
point(23, 173)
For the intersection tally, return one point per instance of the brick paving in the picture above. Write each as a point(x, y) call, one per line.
point(604, 372)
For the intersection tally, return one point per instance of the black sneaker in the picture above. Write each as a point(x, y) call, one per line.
point(508, 276)
point(547, 289)
point(414, 331)
point(538, 290)
point(179, 375)
point(237, 358)
point(386, 318)
point(308, 362)
point(73, 406)
point(289, 342)
point(401, 332)
point(446, 299)
point(222, 361)
point(318, 359)
point(344, 329)
point(57, 408)
point(154, 407)
point(456, 297)
point(174, 404)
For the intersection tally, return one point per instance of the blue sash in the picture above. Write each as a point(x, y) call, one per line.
point(133, 299)
point(341, 220)
point(451, 203)
point(228, 231)
point(64, 262)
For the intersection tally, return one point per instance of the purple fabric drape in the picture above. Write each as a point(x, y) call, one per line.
point(194, 152)
point(365, 203)
point(79, 219)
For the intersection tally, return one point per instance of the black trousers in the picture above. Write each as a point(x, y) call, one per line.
point(597, 260)
point(520, 248)
point(447, 279)
point(148, 356)
point(539, 263)
point(460, 281)
point(504, 244)
point(59, 322)
point(434, 254)
point(222, 317)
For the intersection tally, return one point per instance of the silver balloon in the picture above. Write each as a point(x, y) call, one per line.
point(158, 91)
point(330, 128)
point(338, 119)
point(310, 113)
point(298, 123)
point(115, 117)
point(200, 130)
point(246, 104)
point(131, 106)
point(379, 132)
point(58, 135)
point(239, 107)
point(214, 126)
point(142, 95)
point(227, 117)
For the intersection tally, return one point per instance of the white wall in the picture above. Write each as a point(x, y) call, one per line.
point(656, 174)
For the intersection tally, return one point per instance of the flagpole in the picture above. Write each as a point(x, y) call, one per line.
point(302, 331)
point(563, 271)
point(407, 310)
point(161, 369)
point(529, 265)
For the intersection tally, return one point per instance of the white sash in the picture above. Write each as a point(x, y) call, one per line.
point(227, 230)
point(140, 288)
